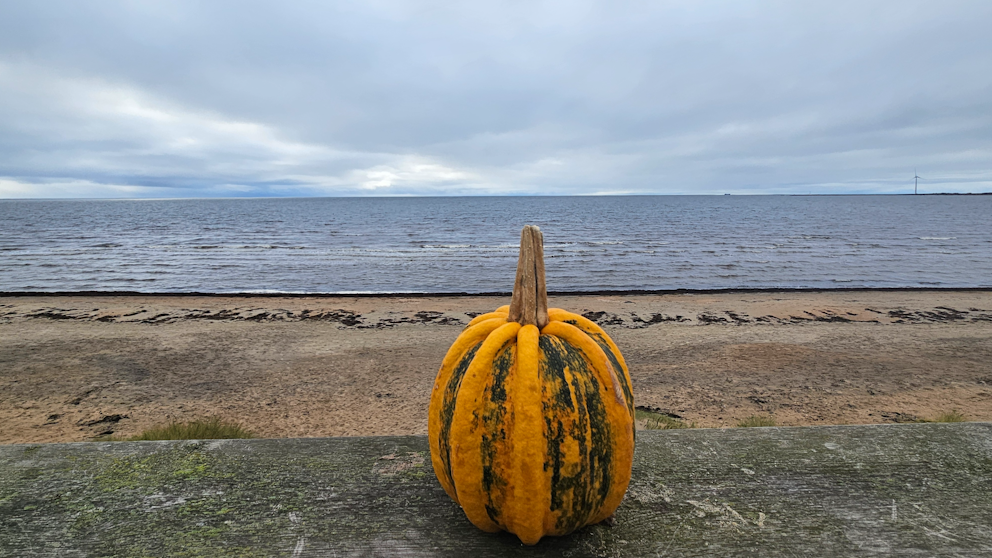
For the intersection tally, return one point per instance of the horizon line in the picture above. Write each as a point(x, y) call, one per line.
point(515, 195)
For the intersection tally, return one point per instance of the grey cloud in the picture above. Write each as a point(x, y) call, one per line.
point(383, 98)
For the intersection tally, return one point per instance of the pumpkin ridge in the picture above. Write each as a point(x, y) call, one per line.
point(586, 404)
point(449, 377)
point(628, 394)
point(529, 492)
point(447, 413)
point(617, 413)
point(576, 463)
point(593, 350)
point(494, 426)
point(465, 340)
point(590, 327)
point(605, 342)
point(483, 317)
point(466, 458)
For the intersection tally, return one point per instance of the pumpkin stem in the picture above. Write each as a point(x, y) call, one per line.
point(529, 305)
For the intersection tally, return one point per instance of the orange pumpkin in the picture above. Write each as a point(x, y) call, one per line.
point(532, 414)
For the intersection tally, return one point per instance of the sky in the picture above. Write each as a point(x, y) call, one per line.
point(104, 99)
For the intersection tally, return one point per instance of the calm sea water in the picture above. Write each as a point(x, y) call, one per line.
point(334, 245)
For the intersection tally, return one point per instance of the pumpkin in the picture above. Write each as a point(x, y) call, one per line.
point(531, 418)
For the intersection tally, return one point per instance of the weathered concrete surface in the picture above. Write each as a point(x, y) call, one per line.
point(892, 490)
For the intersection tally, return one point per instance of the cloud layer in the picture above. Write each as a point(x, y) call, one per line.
point(187, 99)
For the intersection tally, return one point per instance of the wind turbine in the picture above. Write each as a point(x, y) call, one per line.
point(916, 181)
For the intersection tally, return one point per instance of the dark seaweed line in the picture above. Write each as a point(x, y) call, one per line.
point(348, 318)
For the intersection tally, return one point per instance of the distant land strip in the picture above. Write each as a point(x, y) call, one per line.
point(889, 194)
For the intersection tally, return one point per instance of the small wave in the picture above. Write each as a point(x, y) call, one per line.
point(270, 247)
point(275, 291)
point(371, 292)
point(938, 238)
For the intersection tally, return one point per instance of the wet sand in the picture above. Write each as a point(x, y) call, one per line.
point(76, 367)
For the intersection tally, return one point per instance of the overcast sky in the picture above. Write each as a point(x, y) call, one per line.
point(296, 98)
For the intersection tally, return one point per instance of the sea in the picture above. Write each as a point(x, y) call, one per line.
point(470, 244)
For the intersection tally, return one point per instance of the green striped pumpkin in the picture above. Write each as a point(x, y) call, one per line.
point(531, 418)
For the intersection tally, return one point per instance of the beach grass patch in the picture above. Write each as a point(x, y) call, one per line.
point(213, 428)
point(648, 420)
point(756, 421)
point(952, 416)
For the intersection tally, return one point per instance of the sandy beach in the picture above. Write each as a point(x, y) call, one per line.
point(76, 367)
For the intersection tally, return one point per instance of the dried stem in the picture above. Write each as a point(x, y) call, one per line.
point(529, 304)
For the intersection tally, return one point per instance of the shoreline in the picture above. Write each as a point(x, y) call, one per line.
point(75, 366)
point(426, 294)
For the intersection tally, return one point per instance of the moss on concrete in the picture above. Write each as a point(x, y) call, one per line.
point(824, 491)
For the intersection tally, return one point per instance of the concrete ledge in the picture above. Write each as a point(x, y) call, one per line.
point(903, 490)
